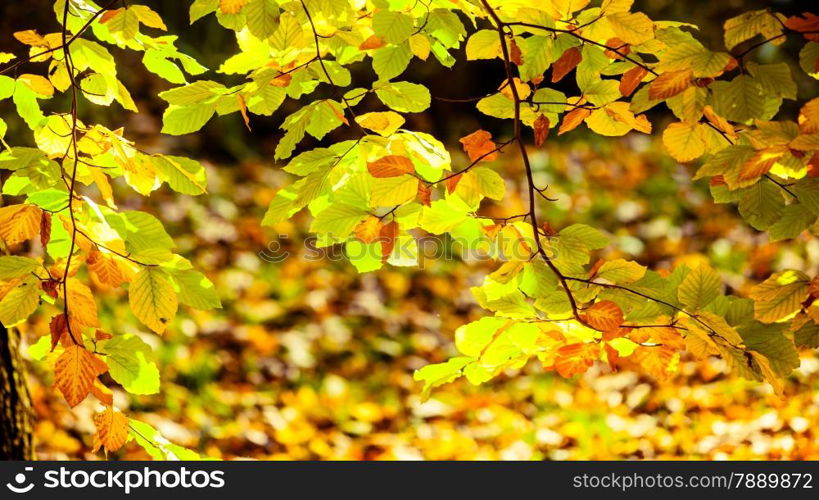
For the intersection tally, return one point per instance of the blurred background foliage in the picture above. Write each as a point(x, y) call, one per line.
point(310, 360)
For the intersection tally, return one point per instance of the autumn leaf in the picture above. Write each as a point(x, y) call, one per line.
point(368, 230)
point(112, 430)
point(575, 359)
point(74, 374)
point(387, 235)
point(631, 79)
point(573, 119)
point(479, 146)
point(541, 127)
point(565, 63)
point(604, 316)
point(19, 223)
point(670, 84)
point(808, 25)
point(390, 166)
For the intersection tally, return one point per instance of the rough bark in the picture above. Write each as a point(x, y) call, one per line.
point(15, 403)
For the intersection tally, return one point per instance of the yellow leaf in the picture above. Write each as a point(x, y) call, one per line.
point(384, 123)
point(683, 141)
point(152, 298)
point(37, 83)
point(633, 28)
point(82, 309)
point(780, 295)
point(19, 223)
point(74, 374)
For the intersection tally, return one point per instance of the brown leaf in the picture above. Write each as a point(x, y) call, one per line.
point(541, 127)
point(388, 234)
point(424, 194)
point(45, 229)
point(515, 55)
point(631, 79)
point(565, 63)
point(59, 332)
point(390, 166)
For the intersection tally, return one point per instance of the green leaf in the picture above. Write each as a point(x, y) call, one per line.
point(156, 445)
point(471, 339)
point(179, 120)
point(490, 183)
point(338, 220)
point(770, 342)
point(404, 96)
point(12, 266)
point(20, 301)
point(441, 373)
point(193, 93)
point(394, 27)
point(195, 290)
point(141, 231)
point(699, 288)
point(794, 219)
point(774, 79)
point(443, 215)
point(740, 100)
point(182, 174)
point(131, 363)
point(620, 271)
point(391, 61)
point(262, 17)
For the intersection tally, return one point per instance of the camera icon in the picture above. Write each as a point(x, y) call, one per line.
point(20, 480)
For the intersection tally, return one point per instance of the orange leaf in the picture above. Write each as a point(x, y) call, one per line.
point(74, 374)
point(452, 183)
point(110, 14)
point(604, 316)
point(243, 111)
point(102, 393)
point(760, 163)
point(574, 359)
point(721, 123)
point(479, 146)
point(616, 48)
point(31, 37)
point(670, 84)
point(631, 79)
point(390, 166)
point(808, 24)
point(108, 270)
point(541, 127)
point(573, 119)
point(231, 6)
point(373, 42)
point(565, 63)
point(809, 116)
point(368, 230)
point(388, 234)
point(112, 430)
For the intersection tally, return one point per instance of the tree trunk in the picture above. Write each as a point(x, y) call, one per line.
point(15, 403)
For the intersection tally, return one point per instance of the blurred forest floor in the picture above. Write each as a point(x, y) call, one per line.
point(310, 360)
